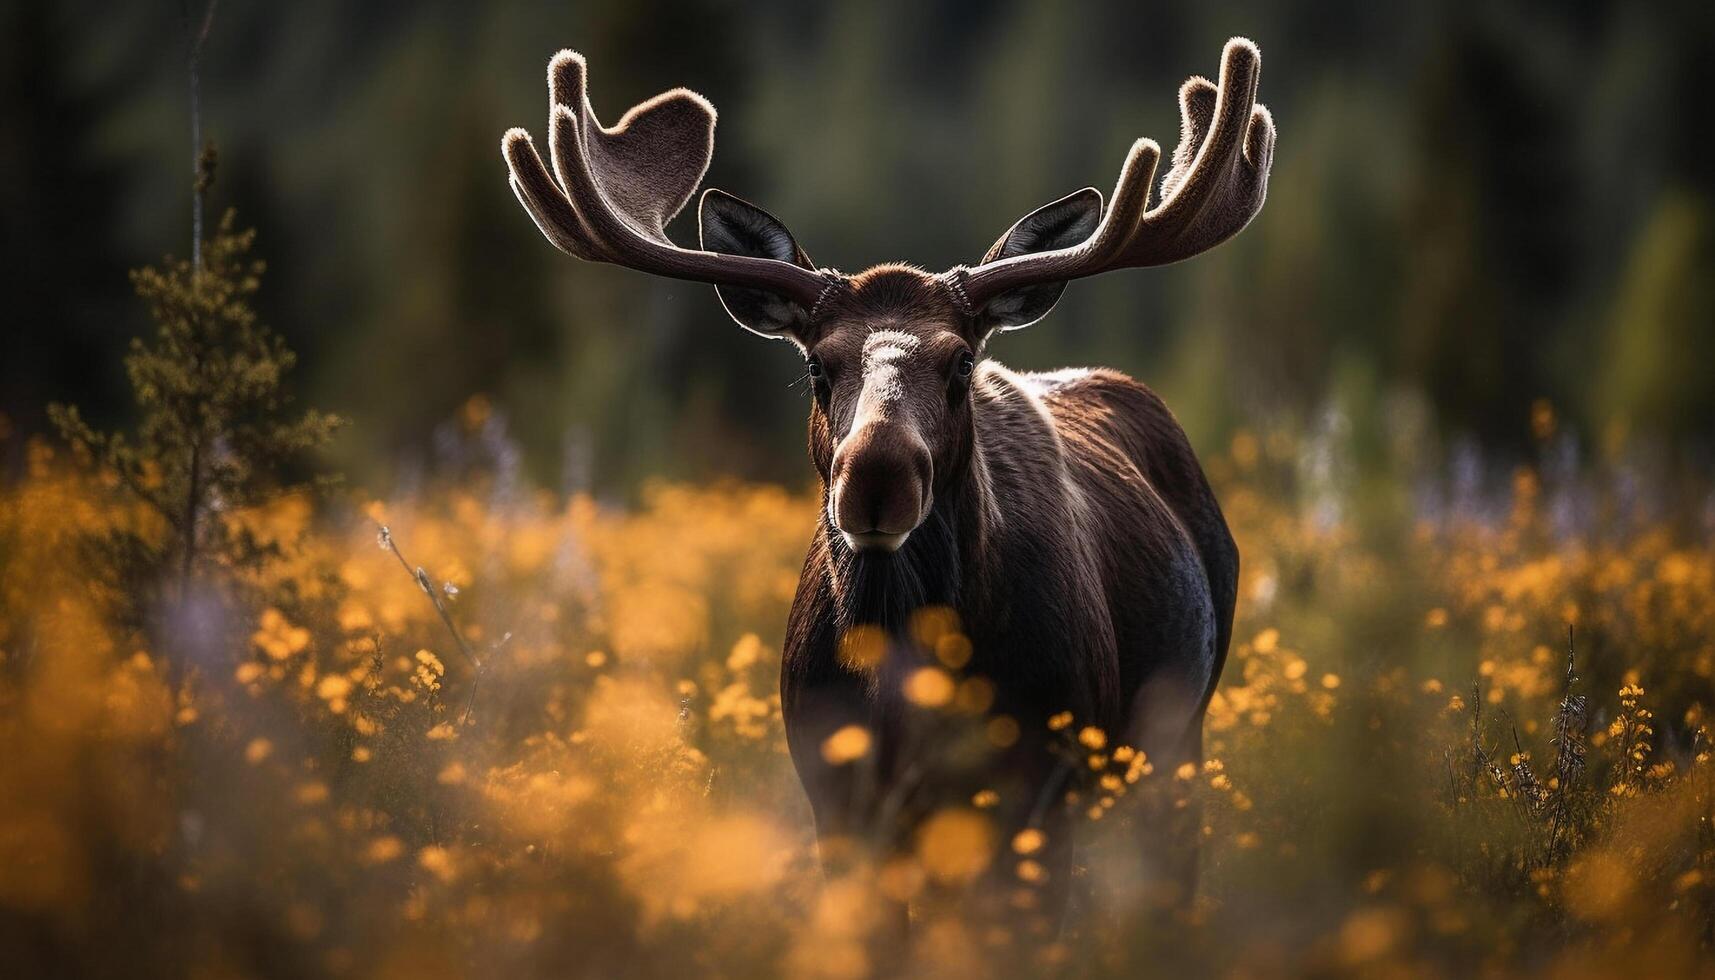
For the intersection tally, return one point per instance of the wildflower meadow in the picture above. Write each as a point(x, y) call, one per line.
point(492, 730)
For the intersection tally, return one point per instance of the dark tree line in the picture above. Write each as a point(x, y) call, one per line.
point(1475, 205)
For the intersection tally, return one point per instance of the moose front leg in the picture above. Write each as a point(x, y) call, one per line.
point(1018, 900)
point(833, 750)
point(852, 847)
point(1030, 882)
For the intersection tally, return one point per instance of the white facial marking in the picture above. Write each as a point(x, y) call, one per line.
point(884, 352)
point(882, 346)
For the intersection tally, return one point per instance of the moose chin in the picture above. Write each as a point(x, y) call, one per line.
point(1061, 518)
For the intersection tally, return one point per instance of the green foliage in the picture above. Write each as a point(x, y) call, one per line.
point(1467, 203)
point(216, 431)
point(1658, 344)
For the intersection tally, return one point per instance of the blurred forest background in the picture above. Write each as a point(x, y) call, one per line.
point(1474, 206)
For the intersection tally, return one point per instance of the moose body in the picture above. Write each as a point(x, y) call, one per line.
point(1084, 551)
point(1061, 519)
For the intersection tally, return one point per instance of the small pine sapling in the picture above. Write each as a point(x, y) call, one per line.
point(216, 431)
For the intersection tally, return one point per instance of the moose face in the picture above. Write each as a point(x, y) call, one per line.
point(890, 354)
point(890, 422)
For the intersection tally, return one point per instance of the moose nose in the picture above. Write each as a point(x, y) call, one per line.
point(881, 486)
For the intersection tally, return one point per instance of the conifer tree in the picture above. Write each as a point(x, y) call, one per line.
point(216, 430)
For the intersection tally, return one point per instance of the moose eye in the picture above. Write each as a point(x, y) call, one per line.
point(967, 364)
point(813, 365)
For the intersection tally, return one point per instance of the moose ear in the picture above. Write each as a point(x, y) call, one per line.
point(732, 226)
point(1062, 224)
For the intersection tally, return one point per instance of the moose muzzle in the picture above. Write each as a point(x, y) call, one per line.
point(881, 486)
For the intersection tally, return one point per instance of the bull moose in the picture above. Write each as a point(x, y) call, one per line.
point(1061, 516)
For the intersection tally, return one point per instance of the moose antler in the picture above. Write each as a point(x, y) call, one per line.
point(614, 190)
point(1215, 186)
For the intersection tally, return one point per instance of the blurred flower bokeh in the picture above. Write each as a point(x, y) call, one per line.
point(1406, 773)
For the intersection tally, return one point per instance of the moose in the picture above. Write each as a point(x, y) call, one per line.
point(1062, 516)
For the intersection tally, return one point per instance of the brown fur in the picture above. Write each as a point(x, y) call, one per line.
point(1073, 531)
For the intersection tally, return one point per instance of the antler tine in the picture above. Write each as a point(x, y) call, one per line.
point(543, 199)
point(613, 191)
point(1216, 185)
point(1197, 100)
point(1216, 172)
